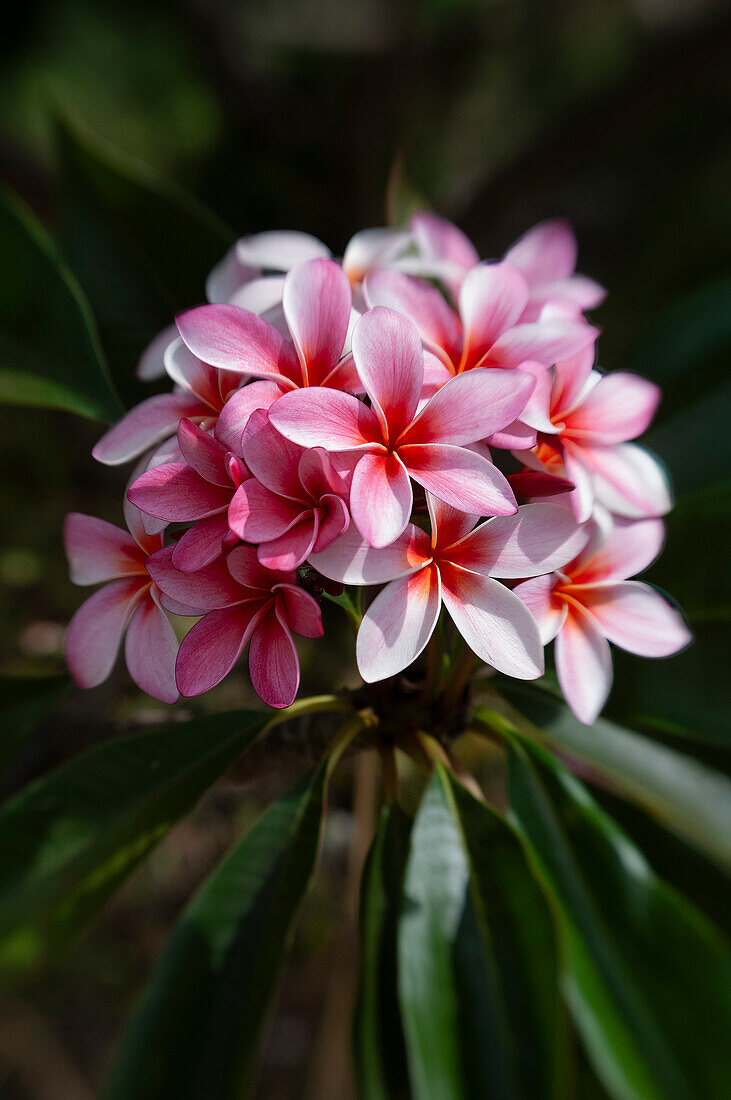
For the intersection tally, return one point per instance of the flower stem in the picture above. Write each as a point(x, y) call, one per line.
point(464, 666)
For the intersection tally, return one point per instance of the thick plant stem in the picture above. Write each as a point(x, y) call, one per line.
point(462, 671)
point(389, 773)
point(315, 704)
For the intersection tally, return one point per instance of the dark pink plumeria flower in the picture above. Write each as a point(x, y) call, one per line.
point(100, 552)
point(246, 604)
point(592, 417)
point(296, 502)
point(397, 443)
point(198, 489)
point(457, 567)
point(591, 603)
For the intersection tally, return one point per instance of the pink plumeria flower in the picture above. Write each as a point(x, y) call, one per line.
point(98, 552)
point(198, 490)
point(395, 442)
point(457, 567)
point(592, 417)
point(317, 307)
point(246, 604)
point(591, 603)
point(296, 502)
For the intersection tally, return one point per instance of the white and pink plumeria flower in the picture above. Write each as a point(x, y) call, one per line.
point(323, 412)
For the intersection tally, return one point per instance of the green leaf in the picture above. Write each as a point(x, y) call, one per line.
point(24, 701)
point(647, 977)
point(676, 789)
point(477, 972)
point(380, 1058)
point(70, 839)
point(195, 1033)
point(50, 353)
point(141, 245)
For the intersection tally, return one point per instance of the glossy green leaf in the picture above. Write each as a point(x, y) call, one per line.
point(50, 353)
point(70, 839)
point(647, 977)
point(141, 246)
point(477, 972)
point(24, 701)
point(380, 1058)
point(676, 789)
point(195, 1033)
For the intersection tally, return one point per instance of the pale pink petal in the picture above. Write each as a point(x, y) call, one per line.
point(95, 631)
point(245, 567)
point(583, 665)
point(491, 300)
point(234, 339)
point(229, 274)
point(372, 248)
point(319, 417)
point(538, 539)
point(619, 407)
point(279, 250)
point(273, 662)
point(153, 420)
point(637, 618)
point(316, 301)
point(547, 251)
point(380, 498)
point(494, 622)
point(152, 360)
point(537, 411)
point(574, 290)
point(235, 414)
point(150, 649)
point(207, 588)
point(471, 406)
point(201, 544)
point(148, 541)
point(201, 451)
point(299, 610)
point(177, 493)
point(436, 321)
point(627, 549)
point(99, 551)
point(272, 458)
point(571, 377)
point(628, 480)
point(291, 549)
point(352, 560)
point(582, 497)
point(259, 295)
point(448, 524)
point(390, 361)
point(549, 612)
point(546, 342)
point(256, 514)
point(398, 624)
point(191, 374)
point(437, 238)
point(459, 477)
point(334, 520)
point(212, 647)
point(515, 437)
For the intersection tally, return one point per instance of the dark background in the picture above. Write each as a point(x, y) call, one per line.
point(295, 115)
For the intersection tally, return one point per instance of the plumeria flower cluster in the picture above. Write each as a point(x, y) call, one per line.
point(408, 418)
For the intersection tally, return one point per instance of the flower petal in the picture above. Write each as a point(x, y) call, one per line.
point(546, 342)
point(547, 251)
point(371, 248)
point(245, 567)
point(436, 321)
point(316, 301)
point(491, 300)
point(299, 610)
point(571, 378)
point(228, 274)
point(471, 406)
point(539, 538)
point(352, 560)
point(619, 407)
point(259, 295)
point(494, 622)
point(206, 456)
point(207, 588)
point(398, 624)
point(438, 239)
point(380, 498)
point(201, 544)
point(320, 417)
point(629, 548)
point(548, 611)
point(235, 414)
point(95, 631)
point(637, 618)
point(279, 249)
point(448, 524)
point(231, 338)
point(150, 649)
point(212, 647)
point(273, 662)
point(290, 549)
point(99, 551)
point(628, 480)
point(256, 514)
point(583, 665)
point(177, 493)
point(152, 361)
point(390, 361)
point(146, 424)
point(272, 458)
point(459, 477)
point(334, 520)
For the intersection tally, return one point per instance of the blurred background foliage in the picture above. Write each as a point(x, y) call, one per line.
point(302, 114)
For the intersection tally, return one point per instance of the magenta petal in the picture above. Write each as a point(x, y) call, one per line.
point(538, 539)
point(207, 588)
point(334, 519)
point(235, 414)
point(299, 610)
point(515, 437)
point(258, 515)
point(619, 407)
point(398, 624)
point(637, 618)
point(212, 647)
point(203, 453)
point(459, 477)
point(320, 417)
point(177, 493)
point(318, 476)
point(273, 662)
point(245, 567)
point(549, 612)
point(494, 622)
point(289, 550)
point(471, 406)
point(231, 338)
point(150, 649)
point(316, 301)
point(352, 560)
point(380, 498)
point(583, 665)
point(200, 544)
point(272, 459)
point(99, 551)
point(146, 424)
point(95, 631)
point(390, 361)
point(437, 322)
